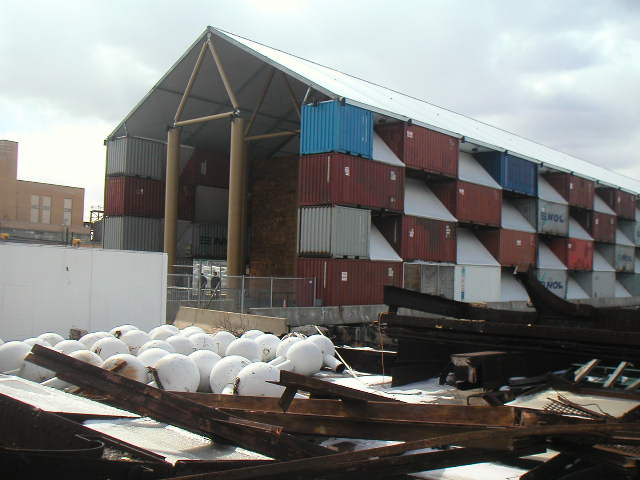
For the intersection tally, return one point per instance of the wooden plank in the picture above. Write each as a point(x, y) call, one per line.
point(585, 369)
point(609, 382)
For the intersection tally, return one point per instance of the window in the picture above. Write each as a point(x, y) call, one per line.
point(67, 211)
point(45, 210)
point(35, 209)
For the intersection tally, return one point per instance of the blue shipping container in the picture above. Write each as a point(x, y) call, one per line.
point(512, 173)
point(334, 127)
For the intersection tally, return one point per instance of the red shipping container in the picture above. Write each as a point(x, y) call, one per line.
point(510, 247)
point(350, 282)
point(578, 192)
point(134, 196)
point(340, 179)
point(470, 203)
point(576, 254)
point(416, 238)
point(206, 168)
point(421, 148)
point(601, 226)
point(623, 203)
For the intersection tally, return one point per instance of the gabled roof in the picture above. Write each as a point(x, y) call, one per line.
point(359, 92)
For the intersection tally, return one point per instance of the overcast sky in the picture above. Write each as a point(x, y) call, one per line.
point(563, 73)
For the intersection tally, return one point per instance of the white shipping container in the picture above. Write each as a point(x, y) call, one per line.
point(554, 280)
point(133, 233)
point(334, 232)
point(597, 284)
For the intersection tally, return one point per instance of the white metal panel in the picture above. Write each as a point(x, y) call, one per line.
point(622, 239)
point(574, 290)
point(379, 248)
point(548, 193)
point(620, 291)
point(511, 290)
point(600, 264)
point(547, 259)
point(471, 251)
point(600, 206)
point(470, 170)
point(512, 219)
point(477, 283)
point(420, 201)
point(382, 152)
point(576, 230)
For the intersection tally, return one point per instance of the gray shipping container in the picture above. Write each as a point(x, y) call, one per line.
point(631, 229)
point(630, 281)
point(133, 233)
point(622, 257)
point(597, 284)
point(209, 240)
point(554, 280)
point(433, 279)
point(334, 232)
point(548, 217)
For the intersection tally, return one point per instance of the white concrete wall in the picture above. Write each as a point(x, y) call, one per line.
point(52, 289)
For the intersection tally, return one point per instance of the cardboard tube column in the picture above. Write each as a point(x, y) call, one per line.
point(237, 174)
point(171, 196)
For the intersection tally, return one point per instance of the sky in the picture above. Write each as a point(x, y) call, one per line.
point(565, 74)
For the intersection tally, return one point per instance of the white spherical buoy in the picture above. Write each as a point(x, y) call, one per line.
point(135, 339)
point(187, 332)
point(252, 334)
point(203, 341)
point(150, 356)
point(34, 372)
point(205, 360)
point(328, 352)
point(245, 347)
point(156, 344)
point(133, 368)
point(36, 341)
point(268, 345)
point(181, 344)
point(221, 341)
point(304, 358)
point(107, 347)
point(68, 346)
point(178, 373)
point(12, 356)
point(87, 356)
point(254, 380)
point(121, 330)
point(90, 338)
point(51, 338)
point(223, 373)
point(283, 348)
point(163, 332)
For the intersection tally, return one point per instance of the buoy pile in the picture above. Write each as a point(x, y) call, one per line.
point(187, 360)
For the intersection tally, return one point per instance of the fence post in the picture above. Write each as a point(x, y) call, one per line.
point(242, 295)
point(271, 301)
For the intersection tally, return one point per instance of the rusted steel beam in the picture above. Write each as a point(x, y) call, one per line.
point(175, 410)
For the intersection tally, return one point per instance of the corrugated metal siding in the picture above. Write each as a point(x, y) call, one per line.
point(601, 226)
point(134, 196)
point(510, 247)
point(334, 231)
point(512, 173)
point(417, 238)
point(623, 203)
point(631, 230)
point(206, 168)
point(621, 257)
point(549, 218)
point(134, 156)
point(430, 279)
point(186, 202)
point(477, 283)
point(470, 203)
point(597, 284)
point(133, 233)
point(579, 192)
point(421, 148)
point(576, 254)
point(342, 179)
point(554, 280)
point(350, 282)
point(209, 240)
point(334, 127)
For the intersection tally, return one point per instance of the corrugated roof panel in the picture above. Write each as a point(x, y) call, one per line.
point(547, 259)
point(389, 102)
point(622, 239)
point(512, 219)
point(471, 251)
point(600, 264)
point(575, 291)
point(576, 231)
point(621, 292)
point(470, 170)
point(548, 193)
point(379, 248)
point(600, 206)
point(420, 201)
point(382, 152)
point(511, 290)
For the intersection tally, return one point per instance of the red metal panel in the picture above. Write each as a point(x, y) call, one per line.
point(206, 168)
point(134, 196)
point(578, 192)
point(601, 226)
point(421, 148)
point(623, 203)
point(350, 282)
point(341, 179)
point(510, 247)
point(471, 203)
point(416, 238)
point(576, 254)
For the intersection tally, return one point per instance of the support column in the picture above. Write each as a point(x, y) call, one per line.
point(171, 196)
point(237, 194)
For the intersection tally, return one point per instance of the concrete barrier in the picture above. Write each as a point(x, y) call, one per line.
point(212, 320)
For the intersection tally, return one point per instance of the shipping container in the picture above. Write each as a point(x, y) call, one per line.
point(470, 170)
point(134, 196)
point(512, 173)
point(621, 291)
point(631, 282)
point(622, 203)
point(416, 238)
point(597, 284)
point(601, 226)
point(471, 251)
point(211, 204)
point(186, 202)
point(511, 290)
point(334, 232)
point(380, 249)
point(431, 278)
point(184, 240)
point(469, 202)
point(574, 290)
point(575, 253)
point(577, 191)
point(133, 233)
point(547, 260)
point(340, 179)
point(420, 201)
point(205, 167)
point(510, 247)
point(549, 218)
point(350, 282)
point(554, 280)
point(420, 148)
point(332, 126)
point(631, 229)
point(209, 240)
point(512, 219)
point(620, 255)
